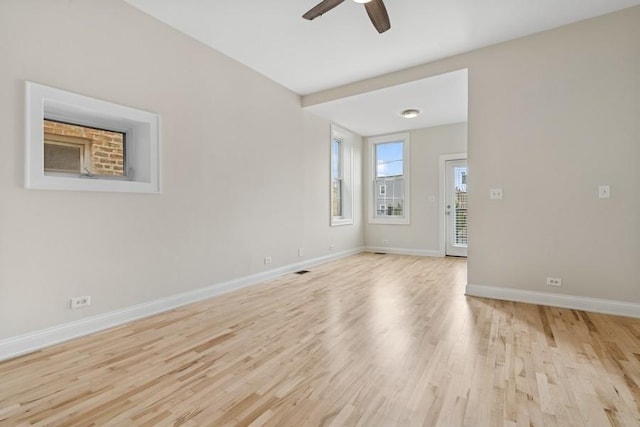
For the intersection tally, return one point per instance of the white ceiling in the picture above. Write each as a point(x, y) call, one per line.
point(342, 47)
point(442, 100)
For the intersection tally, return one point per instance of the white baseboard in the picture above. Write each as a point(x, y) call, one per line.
point(27, 343)
point(404, 251)
point(556, 300)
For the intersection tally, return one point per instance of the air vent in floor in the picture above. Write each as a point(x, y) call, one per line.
point(302, 272)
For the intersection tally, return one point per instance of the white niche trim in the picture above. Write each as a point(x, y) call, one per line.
point(142, 141)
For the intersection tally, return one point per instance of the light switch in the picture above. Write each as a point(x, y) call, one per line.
point(604, 192)
point(495, 194)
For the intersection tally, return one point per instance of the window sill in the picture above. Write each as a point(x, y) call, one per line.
point(49, 182)
point(341, 221)
point(390, 221)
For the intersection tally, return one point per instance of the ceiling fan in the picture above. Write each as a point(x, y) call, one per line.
point(375, 9)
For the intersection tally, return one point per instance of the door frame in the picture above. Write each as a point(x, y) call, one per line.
point(442, 202)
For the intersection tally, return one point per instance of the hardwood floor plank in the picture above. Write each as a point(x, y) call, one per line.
point(369, 340)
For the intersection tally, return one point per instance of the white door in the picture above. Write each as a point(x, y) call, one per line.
point(456, 207)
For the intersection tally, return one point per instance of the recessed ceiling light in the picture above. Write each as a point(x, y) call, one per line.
point(410, 113)
point(362, 1)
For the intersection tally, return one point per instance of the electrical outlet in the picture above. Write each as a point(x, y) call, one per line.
point(604, 192)
point(332, 247)
point(385, 241)
point(78, 302)
point(300, 252)
point(495, 194)
point(554, 281)
point(268, 260)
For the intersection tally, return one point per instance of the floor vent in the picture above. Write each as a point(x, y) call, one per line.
point(379, 253)
point(302, 272)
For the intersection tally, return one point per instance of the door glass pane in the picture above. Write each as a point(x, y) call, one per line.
point(460, 180)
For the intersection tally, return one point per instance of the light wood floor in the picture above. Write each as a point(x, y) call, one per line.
point(371, 340)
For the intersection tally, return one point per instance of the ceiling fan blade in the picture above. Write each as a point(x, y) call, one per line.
point(321, 8)
point(378, 15)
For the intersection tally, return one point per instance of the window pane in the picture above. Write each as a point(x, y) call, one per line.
point(105, 149)
point(336, 197)
point(389, 159)
point(336, 178)
point(389, 197)
point(62, 158)
point(335, 158)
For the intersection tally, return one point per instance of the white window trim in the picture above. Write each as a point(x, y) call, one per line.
point(346, 164)
point(372, 142)
point(142, 131)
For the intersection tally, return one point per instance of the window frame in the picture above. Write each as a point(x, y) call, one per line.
point(345, 167)
point(372, 143)
point(141, 131)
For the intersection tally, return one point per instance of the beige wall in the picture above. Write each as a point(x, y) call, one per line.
point(245, 170)
point(551, 117)
point(422, 235)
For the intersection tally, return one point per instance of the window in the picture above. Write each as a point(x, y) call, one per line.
point(79, 143)
point(390, 179)
point(79, 150)
point(341, 176)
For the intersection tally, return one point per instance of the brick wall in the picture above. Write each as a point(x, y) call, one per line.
point(106, 147)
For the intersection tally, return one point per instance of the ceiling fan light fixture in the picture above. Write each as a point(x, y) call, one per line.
point(375, 9)
point(410, 113)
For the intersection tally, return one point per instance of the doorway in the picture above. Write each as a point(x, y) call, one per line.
point(455, 207)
